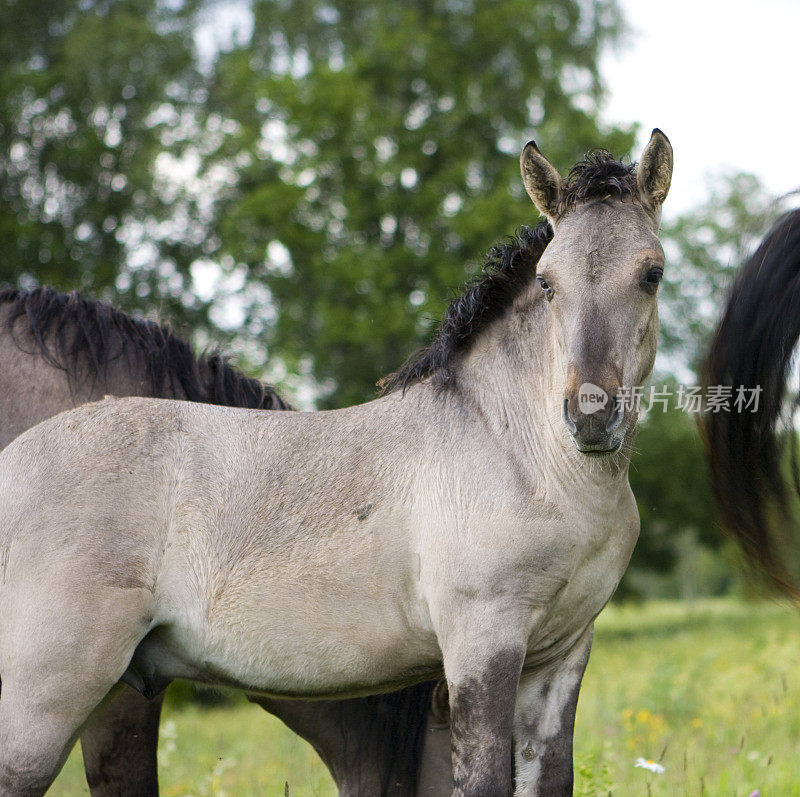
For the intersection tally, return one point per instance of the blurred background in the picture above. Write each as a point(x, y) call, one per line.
point(307, 182)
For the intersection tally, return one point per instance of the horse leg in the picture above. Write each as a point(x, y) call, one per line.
point(60, 656)
point(436, 768)
point(371, 745)
point(482, 710)
point(544, 722)
point(33, 744)
point(483, 648)
point(120, 744)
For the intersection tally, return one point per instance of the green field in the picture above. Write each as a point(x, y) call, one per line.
point(710, 689)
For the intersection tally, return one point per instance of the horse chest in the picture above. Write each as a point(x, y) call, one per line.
point(595, 550)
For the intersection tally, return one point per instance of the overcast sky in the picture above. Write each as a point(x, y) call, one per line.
point(722, 79)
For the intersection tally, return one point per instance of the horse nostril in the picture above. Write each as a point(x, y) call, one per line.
point(567, 420)
point(616, 416)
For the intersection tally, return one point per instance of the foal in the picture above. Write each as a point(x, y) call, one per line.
point(59, 351)
point(473, 521)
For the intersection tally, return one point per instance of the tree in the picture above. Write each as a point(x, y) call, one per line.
point(668, 477)
point(344, 168)
point(382, 144)
point(704, 248)
point(92, 93)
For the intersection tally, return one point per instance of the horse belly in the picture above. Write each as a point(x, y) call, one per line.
point(309, 638)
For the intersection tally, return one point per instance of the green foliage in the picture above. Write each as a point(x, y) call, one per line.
point(89, 95)
point(376, 141)
point(704, 248)
point(669, 471)
point(669, 479)
point(592, 778)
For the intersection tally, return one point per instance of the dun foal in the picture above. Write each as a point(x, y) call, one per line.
point(472, 521)
point(59, 351)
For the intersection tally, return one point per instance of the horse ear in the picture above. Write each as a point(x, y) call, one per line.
point(542, 180)
point(654, 173)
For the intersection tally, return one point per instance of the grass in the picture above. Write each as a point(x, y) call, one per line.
point(709, 689)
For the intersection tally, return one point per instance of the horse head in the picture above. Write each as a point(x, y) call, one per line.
point(600, 274)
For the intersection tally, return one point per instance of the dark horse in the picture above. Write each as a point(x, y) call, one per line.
point(58, 351)
point(753, 347)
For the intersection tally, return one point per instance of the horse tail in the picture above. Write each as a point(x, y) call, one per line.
point(752, 351)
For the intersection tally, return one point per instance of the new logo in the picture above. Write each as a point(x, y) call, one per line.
point(591, 398)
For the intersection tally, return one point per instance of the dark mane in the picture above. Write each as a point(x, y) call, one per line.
point(599, 174)
point(70, 330)
point(508, 270)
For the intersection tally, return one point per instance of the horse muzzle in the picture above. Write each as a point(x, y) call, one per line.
point(594, 418)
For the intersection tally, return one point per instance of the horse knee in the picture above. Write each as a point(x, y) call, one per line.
point(30, 759)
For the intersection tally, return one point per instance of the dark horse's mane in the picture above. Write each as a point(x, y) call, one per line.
point(508, 270)
point(753, 346)
point(69, 330)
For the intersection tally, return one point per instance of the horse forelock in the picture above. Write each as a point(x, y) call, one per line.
point(598, 175)
point(83, 337)
point(508, 270)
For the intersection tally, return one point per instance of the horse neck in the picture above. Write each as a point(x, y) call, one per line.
point(516, 377)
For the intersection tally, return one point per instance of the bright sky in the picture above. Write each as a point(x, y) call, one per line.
point(722, 79)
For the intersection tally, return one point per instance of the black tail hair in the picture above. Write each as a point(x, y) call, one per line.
point(753, 347)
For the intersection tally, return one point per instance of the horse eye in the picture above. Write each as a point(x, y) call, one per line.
point(546, 289)
point(653, 278)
